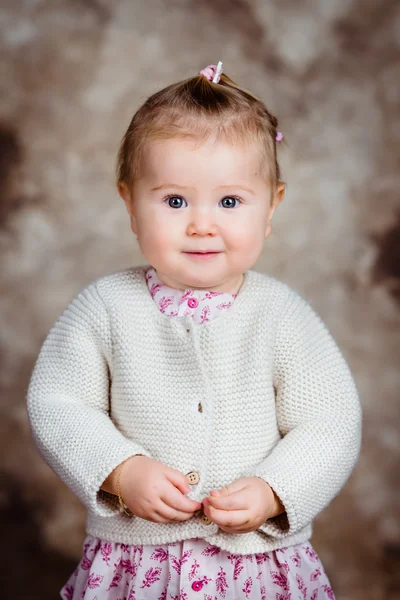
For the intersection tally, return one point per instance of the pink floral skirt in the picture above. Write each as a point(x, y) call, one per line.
point(195, 570)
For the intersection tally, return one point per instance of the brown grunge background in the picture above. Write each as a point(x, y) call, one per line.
point(72, 72)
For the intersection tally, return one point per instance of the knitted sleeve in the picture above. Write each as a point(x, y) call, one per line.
point(68, 402)
point(318, 415)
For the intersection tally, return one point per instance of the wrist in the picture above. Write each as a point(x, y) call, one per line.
point(110, 484)
point(278, 508)
point(273, 501)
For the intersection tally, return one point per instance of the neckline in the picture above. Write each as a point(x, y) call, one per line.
point(193, 292)
point(174, 321)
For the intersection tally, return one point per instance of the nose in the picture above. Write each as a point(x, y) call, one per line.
point(202, 222)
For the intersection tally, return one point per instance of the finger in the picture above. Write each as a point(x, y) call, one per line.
point(171, 514)
point(225, 518)
point(175, 499)
point(239, 529)
point(236, 501)
point(179, 480)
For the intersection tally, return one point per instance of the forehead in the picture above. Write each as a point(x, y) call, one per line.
point(194, 160)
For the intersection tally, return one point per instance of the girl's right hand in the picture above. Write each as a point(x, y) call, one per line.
point(155, 492)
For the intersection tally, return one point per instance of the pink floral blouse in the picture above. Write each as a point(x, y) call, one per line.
point(193, 569)
point(201, 305)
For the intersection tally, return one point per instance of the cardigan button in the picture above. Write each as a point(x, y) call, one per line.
point(205, 520)
point(193, 478)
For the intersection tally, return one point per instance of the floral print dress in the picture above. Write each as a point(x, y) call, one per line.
point(193, 569)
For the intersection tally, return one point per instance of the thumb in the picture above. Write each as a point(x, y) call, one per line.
point(179, 480)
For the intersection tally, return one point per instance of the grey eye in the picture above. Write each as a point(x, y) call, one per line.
point(229, 202)
point(175, 201)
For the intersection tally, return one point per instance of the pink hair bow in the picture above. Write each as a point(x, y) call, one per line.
point(212, 72)
point(279, 136)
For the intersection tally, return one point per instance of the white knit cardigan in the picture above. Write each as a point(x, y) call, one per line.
point(115, 377)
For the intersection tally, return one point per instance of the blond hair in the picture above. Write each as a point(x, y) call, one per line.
point(200, 109)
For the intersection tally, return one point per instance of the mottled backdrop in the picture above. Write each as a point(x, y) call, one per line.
point(72, 72)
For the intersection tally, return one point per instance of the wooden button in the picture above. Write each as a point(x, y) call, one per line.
point(205, 520)
point(200, 407)
point(193, 478)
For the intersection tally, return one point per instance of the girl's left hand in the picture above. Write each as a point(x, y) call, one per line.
point(243, 505)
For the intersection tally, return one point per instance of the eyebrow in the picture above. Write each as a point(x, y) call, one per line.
point(182, 187)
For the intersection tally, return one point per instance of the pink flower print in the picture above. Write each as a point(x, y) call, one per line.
point(210, 295)
point(164, 594)
point(86, 562)
point(106, 550)
point(128, 567)
point(263, 592)
point(262, 557)
point(221, 583)
point(238, 567)
point(315, 574)
point(193, 303)
point(125, 548)
point(208, 597)
point(314, 595)
point(249, 557)
point(311, 554)
point(139, 548)
point(301, 585)
point(224, 305)
point(159, 554)
point(177, 563)
point(296, 558)
point(284, 565)
point(281, 580)
point(152, 575)
point(193, 569)
point(185, 296)
point(211, 550)
point(205, 314)
point(94, 581)
point(248, 584)
point(156, 287)
point(329, 591)
point(115, 580)
point(116, 564)
point(283, 596)
point(164, 302)
point(69, 592)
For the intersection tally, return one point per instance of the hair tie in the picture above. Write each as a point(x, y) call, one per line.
point(279, 136)
point(212, 72)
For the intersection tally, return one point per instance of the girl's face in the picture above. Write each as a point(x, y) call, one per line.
point(201, 214)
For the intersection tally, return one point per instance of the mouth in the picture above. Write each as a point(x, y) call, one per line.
point(203, 254)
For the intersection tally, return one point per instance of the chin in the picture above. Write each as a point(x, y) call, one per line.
point(200, 281)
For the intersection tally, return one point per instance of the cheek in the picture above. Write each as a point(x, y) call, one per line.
point(156, 233)
point(246, 232)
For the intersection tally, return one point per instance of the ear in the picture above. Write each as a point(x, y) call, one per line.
point(126, 196)
point(275, 201)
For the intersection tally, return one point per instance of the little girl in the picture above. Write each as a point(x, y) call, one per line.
point(200, 410)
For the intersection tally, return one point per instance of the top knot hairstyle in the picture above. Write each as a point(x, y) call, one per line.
point(200, 109)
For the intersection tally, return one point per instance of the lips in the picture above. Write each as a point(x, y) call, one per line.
point(203, 254)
